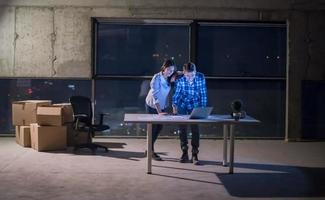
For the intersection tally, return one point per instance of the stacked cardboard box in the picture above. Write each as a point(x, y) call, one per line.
point(23, 136)
point(48, 138)
point(73, 137)
point(23, 114)
point(50, 132)
point(45, 126)
point(54, 115)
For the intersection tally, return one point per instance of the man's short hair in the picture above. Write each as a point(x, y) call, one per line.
point(189, 67)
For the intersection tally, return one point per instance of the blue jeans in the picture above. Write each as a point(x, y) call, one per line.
point(195, 142)
point(156, 128)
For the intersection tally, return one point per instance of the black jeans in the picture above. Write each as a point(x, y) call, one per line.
point(156, 128)
point(195, 142)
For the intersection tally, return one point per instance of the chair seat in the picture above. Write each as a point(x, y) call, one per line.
point(100, 127)
point(94, 127)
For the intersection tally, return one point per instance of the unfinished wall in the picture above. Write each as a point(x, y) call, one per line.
point(72, 42)
point(7, 33)
point(46, 38)
point(33, 39)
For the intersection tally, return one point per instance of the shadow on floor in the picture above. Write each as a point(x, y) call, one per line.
point(114, 145)
point(275, 181)
point(130, 155)
point(267, 181)
point(187, 179)
point(185, 169)
point(202, 162)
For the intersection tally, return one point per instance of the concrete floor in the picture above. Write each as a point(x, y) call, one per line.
point(264, 169)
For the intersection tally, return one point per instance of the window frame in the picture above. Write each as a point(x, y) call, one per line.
point(193, 41)
point(126, 21)
point(193, 45)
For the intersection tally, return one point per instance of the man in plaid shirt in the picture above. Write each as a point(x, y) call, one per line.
point(190, 92)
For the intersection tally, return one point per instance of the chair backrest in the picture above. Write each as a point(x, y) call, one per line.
point(82, 106)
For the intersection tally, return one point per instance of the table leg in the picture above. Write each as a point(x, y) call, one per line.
point(149, 147)
point(225, 141)
point(232, 148)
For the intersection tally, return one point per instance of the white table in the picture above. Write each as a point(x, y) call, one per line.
point(226, 120)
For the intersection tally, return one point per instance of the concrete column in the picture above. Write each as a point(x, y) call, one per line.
point(298, 62)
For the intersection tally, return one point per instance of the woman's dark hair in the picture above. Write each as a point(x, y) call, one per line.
point(176, 75)
point(189, 67)
point(167, 63)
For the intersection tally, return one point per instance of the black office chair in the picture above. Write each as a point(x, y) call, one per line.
point(83, 116)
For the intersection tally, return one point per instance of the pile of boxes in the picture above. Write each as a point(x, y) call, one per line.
point(44, 126)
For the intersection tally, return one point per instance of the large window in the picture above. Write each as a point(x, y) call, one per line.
point(246, 61)
point(139, 48)
point(127, 54)
point(240, 60)
point(57, 90)
point(242, 50)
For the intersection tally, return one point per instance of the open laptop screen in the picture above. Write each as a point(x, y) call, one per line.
point(201, 112)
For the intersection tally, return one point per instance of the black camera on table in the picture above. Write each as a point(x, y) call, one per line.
point(237, 112)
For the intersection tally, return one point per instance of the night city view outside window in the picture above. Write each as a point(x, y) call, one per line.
point(264, 100)
point(128, 55)
point(139, 49)
point(242, 50)
point(136, 50)
point(56, 90)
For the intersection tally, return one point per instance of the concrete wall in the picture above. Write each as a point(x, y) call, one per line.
point(48, 38)
point(7, 35)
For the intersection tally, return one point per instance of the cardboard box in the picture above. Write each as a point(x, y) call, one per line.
point(67, 112)
point(17, 134)
point(48, 138)
point(23, 136)
point(54, 115)
point(24, 112)
point(76, 137)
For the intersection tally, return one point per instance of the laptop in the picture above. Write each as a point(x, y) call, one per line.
point(201, 113)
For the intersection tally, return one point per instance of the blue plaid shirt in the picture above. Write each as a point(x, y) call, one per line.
point(189, 96)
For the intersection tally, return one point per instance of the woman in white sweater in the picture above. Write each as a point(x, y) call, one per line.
point(157, 98)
